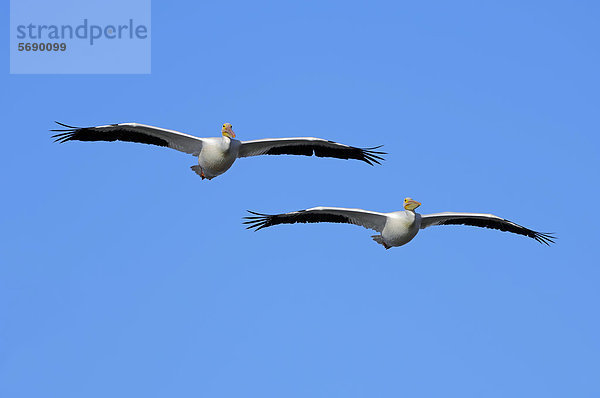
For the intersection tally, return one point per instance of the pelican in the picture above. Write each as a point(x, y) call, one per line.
point(216, 154)
point(396, 228)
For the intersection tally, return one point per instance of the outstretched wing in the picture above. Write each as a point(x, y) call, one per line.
point(308, 146)
point(131, 132)
point(368, 219)
point(484, 221)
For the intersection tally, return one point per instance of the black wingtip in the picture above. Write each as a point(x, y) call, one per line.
point(66, 125)
point(64, 134)
point(63, 137)
point(372, 149)
point(371, 156)
point(257, 214)
point(546, 238)
point(256, 222)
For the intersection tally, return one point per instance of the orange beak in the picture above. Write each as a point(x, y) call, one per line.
point(411, 204)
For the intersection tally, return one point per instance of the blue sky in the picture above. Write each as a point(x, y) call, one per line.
point(122, 273)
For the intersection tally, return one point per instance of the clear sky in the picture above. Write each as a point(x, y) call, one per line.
point(123, 274)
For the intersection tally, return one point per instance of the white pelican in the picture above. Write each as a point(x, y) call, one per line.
point(396, 228)
point(216, 154)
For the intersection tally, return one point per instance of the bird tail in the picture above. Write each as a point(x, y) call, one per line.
point(198, 170)
point(379, 239)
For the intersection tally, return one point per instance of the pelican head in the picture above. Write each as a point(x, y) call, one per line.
point(227, 131)
point(410, 204)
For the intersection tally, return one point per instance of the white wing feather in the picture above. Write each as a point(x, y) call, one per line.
point(132, 132)
point(368, 219)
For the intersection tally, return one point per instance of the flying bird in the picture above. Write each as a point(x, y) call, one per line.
point(216, 154)
point(396, 228)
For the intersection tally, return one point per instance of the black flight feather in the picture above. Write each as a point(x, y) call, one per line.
point(502, 225)
point(260, 221)
point(113, 132)
point(367, 155)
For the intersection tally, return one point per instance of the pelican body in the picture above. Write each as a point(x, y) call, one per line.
point(400, 228)
point(395, 228)
point(217, 154)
